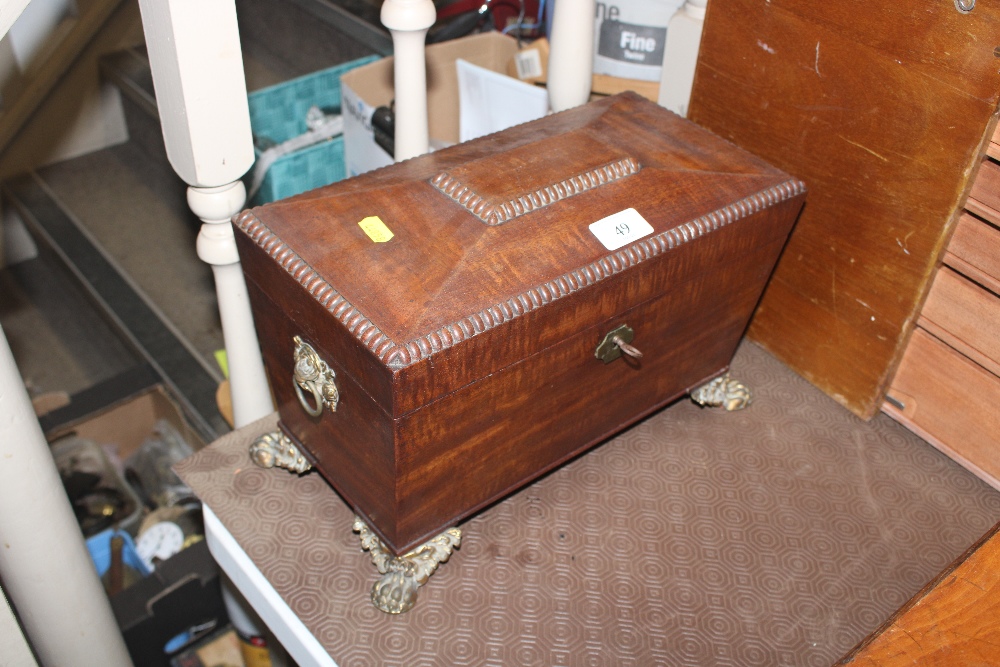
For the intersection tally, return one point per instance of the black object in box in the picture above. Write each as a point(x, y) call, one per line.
point(182, 593)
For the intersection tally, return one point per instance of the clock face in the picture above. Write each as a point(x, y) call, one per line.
point(161, 540)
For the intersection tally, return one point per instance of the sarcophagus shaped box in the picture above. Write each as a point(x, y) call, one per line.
point(442, 331)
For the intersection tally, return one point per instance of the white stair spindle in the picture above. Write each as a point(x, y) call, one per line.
point(408, 21)
point(44, 564)
point(197, 66)
point(13, 644)
point(217, 247)
point(571, 54)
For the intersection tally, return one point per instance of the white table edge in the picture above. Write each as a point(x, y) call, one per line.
point(297, 640)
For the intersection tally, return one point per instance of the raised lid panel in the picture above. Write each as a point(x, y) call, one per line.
point(501, 187)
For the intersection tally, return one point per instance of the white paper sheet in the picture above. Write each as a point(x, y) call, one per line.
point(490, 101)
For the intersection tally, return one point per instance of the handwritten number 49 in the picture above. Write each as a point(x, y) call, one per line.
point(621, 229)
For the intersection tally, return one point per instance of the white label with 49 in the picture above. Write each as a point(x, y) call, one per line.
point(620, 229)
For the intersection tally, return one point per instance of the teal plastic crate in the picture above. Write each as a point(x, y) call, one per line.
point(279, 114)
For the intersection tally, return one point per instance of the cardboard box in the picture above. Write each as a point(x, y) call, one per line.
point(128, 422)
point(530, 64)
point(278, 114)
point(366, 88)
point(182, 595)
point(119, 420)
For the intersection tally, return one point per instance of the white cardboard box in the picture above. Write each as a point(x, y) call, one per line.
point(366, 88)
point(629, 36)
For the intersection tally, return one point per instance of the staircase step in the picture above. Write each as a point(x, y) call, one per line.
point(280, 41)
point(61, 342)
point(193, 382)
point(118, 218)
point(129, 70)
point(356, 18)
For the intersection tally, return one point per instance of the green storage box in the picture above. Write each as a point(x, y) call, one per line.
point(278, 113)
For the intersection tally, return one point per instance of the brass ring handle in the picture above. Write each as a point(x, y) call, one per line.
point(626, 348)
point(312, 374)
point(314, 410)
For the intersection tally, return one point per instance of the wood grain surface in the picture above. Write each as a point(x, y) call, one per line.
point(984, 196)
point(952, 621)
point(966, 317)
point(885, 110)
point(974, 251)
point(938, 389)
point(464, 346)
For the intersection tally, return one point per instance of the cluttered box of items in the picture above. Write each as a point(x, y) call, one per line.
point(142, 525)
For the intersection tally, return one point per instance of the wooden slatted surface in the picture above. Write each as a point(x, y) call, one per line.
point(974, 251)
point(966, 317)
point(984, 197)
point(951, 402)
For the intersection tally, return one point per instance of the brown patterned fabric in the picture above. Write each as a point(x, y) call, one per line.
point(782, 534)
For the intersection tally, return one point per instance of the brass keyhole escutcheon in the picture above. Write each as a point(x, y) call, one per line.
point(616, 343)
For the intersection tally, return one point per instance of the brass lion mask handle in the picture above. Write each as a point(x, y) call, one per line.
point(312, 375)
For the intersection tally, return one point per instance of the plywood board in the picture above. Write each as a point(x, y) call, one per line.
point(884, 110)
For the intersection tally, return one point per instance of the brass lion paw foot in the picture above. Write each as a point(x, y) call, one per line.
point(723, 391)
point(396, 591)
point(275, 450)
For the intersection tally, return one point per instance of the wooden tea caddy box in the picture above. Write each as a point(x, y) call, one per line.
point(443, 331)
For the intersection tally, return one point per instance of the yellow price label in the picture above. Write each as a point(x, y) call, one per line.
point(376, 229)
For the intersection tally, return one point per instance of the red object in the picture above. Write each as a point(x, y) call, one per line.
point(505, 12)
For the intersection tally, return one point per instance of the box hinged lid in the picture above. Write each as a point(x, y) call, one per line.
point(421, 256)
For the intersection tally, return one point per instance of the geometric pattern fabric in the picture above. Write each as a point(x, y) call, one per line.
point(778, 535)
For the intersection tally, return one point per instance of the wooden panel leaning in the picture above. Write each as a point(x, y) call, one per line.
point(948, 383)
point(483, 313)
point(885, 110)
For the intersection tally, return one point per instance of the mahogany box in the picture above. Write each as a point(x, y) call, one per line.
point(463, 306)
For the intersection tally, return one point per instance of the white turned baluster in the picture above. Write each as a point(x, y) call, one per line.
point(571, 54)
point(44, 564)
point(48, 575)
point(197, 65)
point(408, 21)
point(13, 644)
point(217, 246)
